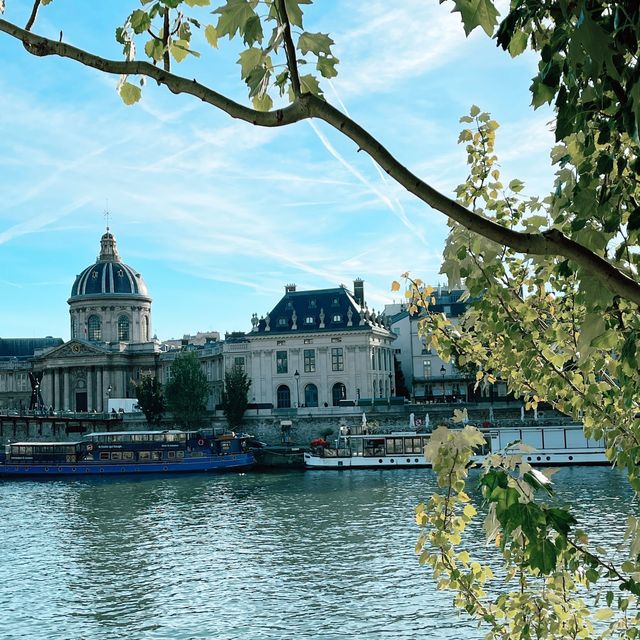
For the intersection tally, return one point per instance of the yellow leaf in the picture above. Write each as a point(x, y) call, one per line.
point(603, 614)
point(395, 286)
point(469, 510)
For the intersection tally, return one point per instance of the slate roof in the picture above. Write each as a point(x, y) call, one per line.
point(23, 348)
point(310, 306)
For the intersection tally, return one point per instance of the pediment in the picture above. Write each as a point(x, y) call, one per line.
point(74, 348)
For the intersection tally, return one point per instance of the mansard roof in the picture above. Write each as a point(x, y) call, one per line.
point(319, 310)
point(23, 348)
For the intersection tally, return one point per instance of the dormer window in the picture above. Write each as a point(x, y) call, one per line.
point(337, 317)
point(282, 322)
point(308, 320)
point(289, 306)
point(312, 303)
point(335, 302)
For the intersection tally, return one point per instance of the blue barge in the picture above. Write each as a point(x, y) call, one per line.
point(117, 453)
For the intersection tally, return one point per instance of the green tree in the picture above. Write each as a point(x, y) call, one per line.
point(188, 390)
point(151, 399)
point(235, 396)
point(401, 383)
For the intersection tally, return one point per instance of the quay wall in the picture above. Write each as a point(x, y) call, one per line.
point(265, 425)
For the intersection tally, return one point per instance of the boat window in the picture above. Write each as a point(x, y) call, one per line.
point(179, 454)
point(104, 455)
point(144, 455)
point(127, 455)
point(182, 437)
point(394, 445)
point(158, 437)
point(116, 455)
point(136, 438)
point(156, 455)
point(225, 446)
point(374, 447)
point(413, 445)
point(171, 437)
point(171, 455)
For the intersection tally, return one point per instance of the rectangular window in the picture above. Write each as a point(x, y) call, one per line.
point(281, 343)
point(179, 454)
point(309, 360)
point(337, 317)
point(171, 455)
point(282, 365)
point(104, 455)
point(394, 445)
point(127, 455)
point(116, 455)
point(239, 363)
point(337, 359)
point(308, 320)
point(144, 455)
point(308, 341)
point(156, 455)
point(427, 368)
point(336, 339)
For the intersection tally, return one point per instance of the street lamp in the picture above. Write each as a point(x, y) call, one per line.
point(296, 375)
point(109, 390)
point(443, 371)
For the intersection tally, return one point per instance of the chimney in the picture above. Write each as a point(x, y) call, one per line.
point(358, 291)
point(289, 288)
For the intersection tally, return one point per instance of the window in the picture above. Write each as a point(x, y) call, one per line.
point(282, 365)
point(239, 362)
point(127, 455)
point(282, 322)
point(339, 392)
point(337, 359)
point(337, 317)
point(144, 455)
point(396, 330)
point(116, 455)
point(447, 310)
point(394, 445)
point(308, 341)
point(335, 302)
point(379, 360)
point(336, 339)
point(171, 455)
point(283, 397)
point(281, 343)
point(312, 303)
point(145, 328)
point(123, 329)
point(308, 320)
point(373, 359)
point(426, 368)
point(104, 455)
point(311, 395)
point(94, 328)
point(309, 361)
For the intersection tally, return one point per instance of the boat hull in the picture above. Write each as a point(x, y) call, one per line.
point(234, 462)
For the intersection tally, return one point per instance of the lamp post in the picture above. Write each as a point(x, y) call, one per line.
point(109, 390)
point(443, 371)
point(296, 375)
point(390, 389)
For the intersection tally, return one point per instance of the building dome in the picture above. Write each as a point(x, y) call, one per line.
point(109, 276)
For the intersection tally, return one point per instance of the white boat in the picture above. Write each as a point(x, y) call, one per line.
point(543, 445)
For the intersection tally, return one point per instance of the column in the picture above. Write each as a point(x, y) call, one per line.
point(56, 389)
point(105, 386)
point(90, 404)
point(99, 392)
point(67, 402)
point(45, 388)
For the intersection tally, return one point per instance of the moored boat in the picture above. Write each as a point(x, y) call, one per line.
point(116, 453)
point(544, 445)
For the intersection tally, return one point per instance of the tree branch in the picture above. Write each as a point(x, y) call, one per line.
point(550, 243)
point(289, 49)
point(33, 16)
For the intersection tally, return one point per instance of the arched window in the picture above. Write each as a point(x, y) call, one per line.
point(381, 389)
point(94, 328)
point(145, 329)
point(123, 329)
point(284, 397)
point(311, 395)
point(339, 392)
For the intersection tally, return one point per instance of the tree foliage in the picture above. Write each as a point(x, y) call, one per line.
point(235, 396)
point(188, 390)
point(151, 399)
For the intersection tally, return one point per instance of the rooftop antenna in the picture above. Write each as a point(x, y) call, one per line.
point(107, 215)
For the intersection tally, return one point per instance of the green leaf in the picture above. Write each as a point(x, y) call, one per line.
point(477, 13)
point(211, 35)
point(518, 43)
point(140, 21)
point(249, 59)
point(253, 31)
point(154, 49)
point(542, 93)
point(315, 42)
point(179, 50)
point(233, 17)
point(516, 185)
point(309, 84)
point(129, 93)
point(263, 102)
point(543, 555)
point(294, 12)
point(198, 3)
point(326, 65)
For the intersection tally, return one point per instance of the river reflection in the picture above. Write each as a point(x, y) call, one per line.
point(280, 555)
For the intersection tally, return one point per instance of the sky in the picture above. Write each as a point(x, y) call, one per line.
point(217, 215)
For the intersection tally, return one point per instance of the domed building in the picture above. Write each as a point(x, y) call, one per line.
point(109, 300)
point(110, 346)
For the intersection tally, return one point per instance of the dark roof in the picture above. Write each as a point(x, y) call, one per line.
point(26, 347)
point(330, 307)
point(109, 278)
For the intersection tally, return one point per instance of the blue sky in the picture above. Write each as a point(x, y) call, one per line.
point(217, 215)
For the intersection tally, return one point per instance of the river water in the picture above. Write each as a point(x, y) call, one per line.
point(318, 555)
